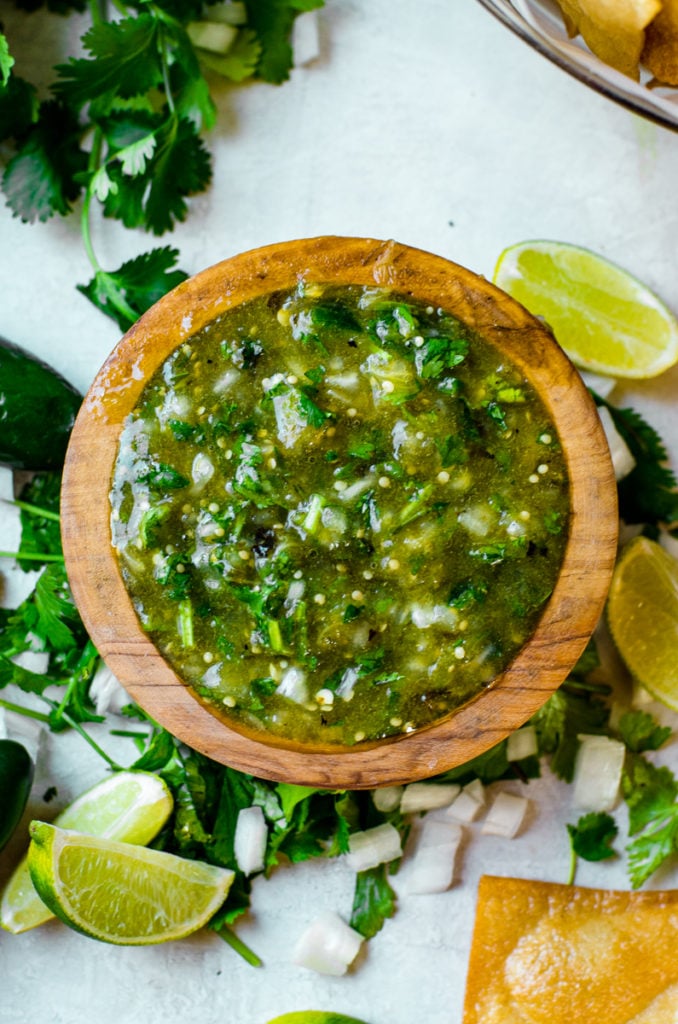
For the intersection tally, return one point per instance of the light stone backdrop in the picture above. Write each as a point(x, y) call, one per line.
point(427, 122)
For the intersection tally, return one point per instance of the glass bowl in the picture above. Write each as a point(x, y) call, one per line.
point(540, 23)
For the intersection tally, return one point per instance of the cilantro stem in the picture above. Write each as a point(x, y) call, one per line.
point(237, 945)
point(26, 712)
point(34, 510)
point(66, 718)
point(573, 867)
point(32, 556)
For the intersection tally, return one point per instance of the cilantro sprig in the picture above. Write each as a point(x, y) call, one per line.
point(122, 128)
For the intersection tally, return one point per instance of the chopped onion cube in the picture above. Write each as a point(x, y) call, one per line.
point(467, 806)
point(26, 731)
point(522, 743)
point(305, 38)
point(328, 946)
point(202, 469)
point(107, 692)
point(434, 848)
point(249, 842)
point(622, 459)
point(597, 773)
point(505, 816)
point(215, 36)
point(348, 681)
point(374, 846)
point(427, 796)
point(293, 685)
point(387, 799)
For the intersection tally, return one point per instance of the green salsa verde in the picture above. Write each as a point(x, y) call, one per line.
point(338, 513)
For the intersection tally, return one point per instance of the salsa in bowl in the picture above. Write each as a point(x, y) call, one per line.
point(353, 517)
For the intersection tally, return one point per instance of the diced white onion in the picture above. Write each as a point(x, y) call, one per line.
point(305, 38)
point(467, 806)
point(289, 422)
point(334, 519)
point(505, 815)
point(427, 796)
point(249, 841)
point(430, 868)
point(356, 489)
point(622, 459)
point(478, 520)
point(215, 36)
point(202, 469)
point(522, 743)
point(6, 484)
point(107, 692)
point(669, 543)
point(374, 846)
point(387, 799)
point(27, 731)
point(293, 685)
point(348, 681)
point(328, 946)
point(295, 592)
point(424, 616)
point(226, 381)
point(597, 773)
point(32, 661)
point(232, 12)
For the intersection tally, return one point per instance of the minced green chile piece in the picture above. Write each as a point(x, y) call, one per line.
point(339, 514)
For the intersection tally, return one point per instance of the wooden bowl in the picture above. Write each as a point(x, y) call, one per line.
point(565, 624)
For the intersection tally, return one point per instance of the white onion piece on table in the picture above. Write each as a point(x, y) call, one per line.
point(521, 744)
point(328, 946)
point(107, 692)
point(505, 815)
point(387, 799)
point(374, 846)
point(622, 459)
point(467, 806)
point(427, 796)
point(430, 868)
point(597, 773)
point(249, 843)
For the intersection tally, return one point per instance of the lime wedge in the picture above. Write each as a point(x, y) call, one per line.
point(130, 807)
point(315, 1017)
point(642, 612)
point(606, 320)
point(121, 893)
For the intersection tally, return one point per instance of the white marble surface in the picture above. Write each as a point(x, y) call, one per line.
point(424, 122)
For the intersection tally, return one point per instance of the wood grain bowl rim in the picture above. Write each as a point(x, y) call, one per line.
point(566, 622)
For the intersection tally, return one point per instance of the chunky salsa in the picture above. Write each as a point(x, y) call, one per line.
point(338, 513)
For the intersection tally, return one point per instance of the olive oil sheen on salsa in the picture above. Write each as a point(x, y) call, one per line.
point(338, 513)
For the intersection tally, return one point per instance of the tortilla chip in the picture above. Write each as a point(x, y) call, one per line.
point(660, 54)
point(612, 29)
point(553, 954)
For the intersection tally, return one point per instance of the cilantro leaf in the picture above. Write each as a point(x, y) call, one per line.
point(18, 107)
point(592, 835)
point(272, 20)
point(42, 177)
point(651, 795)
point(6, 60)
point(639, 731)
point(648, 494)
point(373, 901)
point(124, 294)
point(54, 607)
point(124, 59)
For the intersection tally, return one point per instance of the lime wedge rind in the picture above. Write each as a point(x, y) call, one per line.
point(121, 893)
point(130, 806)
